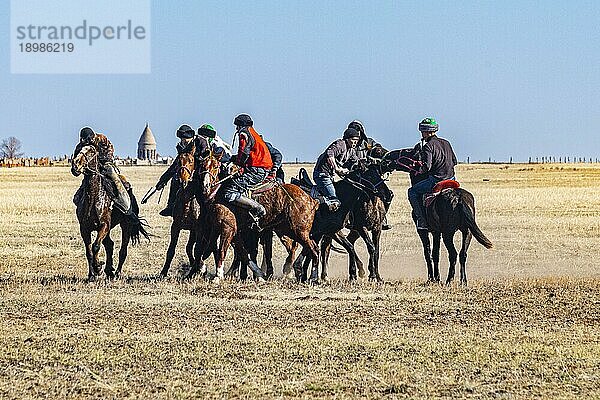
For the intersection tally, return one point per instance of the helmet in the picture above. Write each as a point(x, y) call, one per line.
point(356, 124)
point(351, 133)
point(208, 131)
point(86, 134)
point(185, 132)
point(243, 120)
point(428, 125)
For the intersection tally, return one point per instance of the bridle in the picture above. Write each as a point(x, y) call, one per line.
point(86, 165)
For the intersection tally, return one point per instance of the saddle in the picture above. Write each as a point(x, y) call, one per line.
point(262, 187)
point(306, 184)
point(440, 188)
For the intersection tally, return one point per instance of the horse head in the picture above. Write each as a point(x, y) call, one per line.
point(209, 170)
point(187, 165)
point(405, 160)
point(85, 161)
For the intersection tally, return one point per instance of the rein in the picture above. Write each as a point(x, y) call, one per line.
point(87, 160)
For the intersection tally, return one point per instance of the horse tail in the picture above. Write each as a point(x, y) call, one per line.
point(470, 220)
point(136, 225)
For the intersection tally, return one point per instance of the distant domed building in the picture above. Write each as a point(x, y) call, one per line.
point(147, 145)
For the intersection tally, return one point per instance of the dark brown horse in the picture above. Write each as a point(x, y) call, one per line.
point(452, 210)
point(95, 213)
point(217, 223)
point(186, 210)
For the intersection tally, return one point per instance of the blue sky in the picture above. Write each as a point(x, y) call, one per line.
point(503, 78)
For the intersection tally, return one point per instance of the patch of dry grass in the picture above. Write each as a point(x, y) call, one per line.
point(527, 326)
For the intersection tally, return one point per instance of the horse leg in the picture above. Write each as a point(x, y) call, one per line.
point(235, 265)
point(125, 238)
point(325, 251)
point(189, 247)
point(290, 246)
point(226, 239)
point(299, 267)
point(466, 240)
point(364, 234)
point(86, 235)
point(102, 232)
point(109, 247)
point(437, 238)
point(267, 242)
point(376, 237)
point(253, 255)
point(424, 236)
point(452, 254)
point(199, 247)
point(353, 257)
point(175, 229)
point(312, 252)
point(352, 238)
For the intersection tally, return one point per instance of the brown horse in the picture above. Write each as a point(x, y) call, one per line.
point(95, 213)
point(216, 222)
point(289, 213)
point(186, 210)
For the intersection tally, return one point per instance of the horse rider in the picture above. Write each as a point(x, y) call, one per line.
point(277, 158)
point(332, 161)
point(252, 164)
point(363, 148)
point(106, 157)
point(215, 142)
point(438, 160)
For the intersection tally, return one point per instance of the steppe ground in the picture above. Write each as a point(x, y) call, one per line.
point(526, 326)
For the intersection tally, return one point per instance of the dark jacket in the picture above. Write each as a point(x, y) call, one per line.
point(276, 156)
point(105, 149)
point(438, 158)
point(201, 151)
point(364, 146)
point(339, 151)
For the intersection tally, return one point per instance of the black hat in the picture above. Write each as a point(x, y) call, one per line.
point(185, 132)
point(243, 120)
point(208, 131)
point(86, 134)
point(351, 133)
point(356, 124)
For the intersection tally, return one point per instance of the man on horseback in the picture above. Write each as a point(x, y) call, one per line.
point(438, 160)
point(203, 142)
point(253, 162)
point(332, 161)
point(105, 150)
point(215, 142)
point(362, 152)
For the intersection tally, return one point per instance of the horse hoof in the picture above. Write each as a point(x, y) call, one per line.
point(260, 279)
point(361, 273)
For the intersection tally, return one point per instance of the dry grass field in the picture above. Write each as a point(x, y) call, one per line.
point(527, 326)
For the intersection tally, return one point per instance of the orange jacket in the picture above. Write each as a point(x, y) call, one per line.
point(253, 151)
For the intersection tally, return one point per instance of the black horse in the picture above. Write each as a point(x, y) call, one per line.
point(361, 211)
point(451, 210)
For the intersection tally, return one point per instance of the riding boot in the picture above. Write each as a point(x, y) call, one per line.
point(173, 189)
point(419, 213)
point(255, 209)
point(385, 224)
point(122, 201)
point(333, 203)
